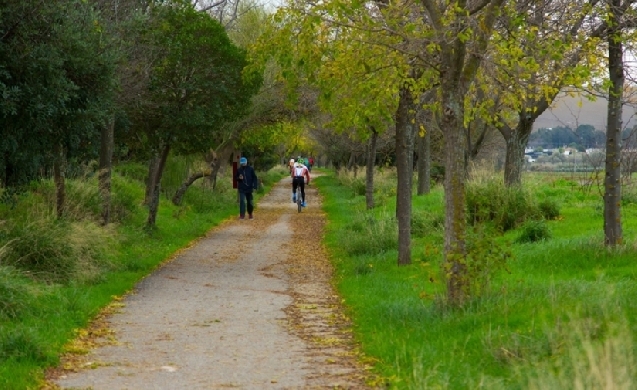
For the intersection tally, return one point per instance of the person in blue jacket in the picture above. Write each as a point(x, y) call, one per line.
point(246, 182)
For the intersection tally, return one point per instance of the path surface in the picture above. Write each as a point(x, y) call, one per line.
point(243, 307)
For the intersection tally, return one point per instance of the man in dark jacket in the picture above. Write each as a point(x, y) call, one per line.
point(246, 182)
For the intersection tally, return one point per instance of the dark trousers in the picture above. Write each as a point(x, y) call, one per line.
point(296, 182)
point(246, 199)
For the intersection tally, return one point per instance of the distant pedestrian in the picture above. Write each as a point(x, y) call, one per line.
point(246, 182)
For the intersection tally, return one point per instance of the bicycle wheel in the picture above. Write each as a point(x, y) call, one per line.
point(299, 201)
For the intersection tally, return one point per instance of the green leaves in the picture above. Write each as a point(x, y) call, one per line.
point(196, 83)
point(56, 81)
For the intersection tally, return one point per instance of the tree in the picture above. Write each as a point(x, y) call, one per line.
point(462, 32)
point(58, 84)
point(364, 76)
point(541, 48)
point(116, 17)
point(613, 235)
point(194, 86)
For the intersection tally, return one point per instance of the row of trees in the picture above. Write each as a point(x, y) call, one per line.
point(460, 68)
point(80, 79)
point(582, 138)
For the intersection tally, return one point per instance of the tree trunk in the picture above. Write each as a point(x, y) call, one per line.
point(350, 162)
point(150, 184)
point(612, 182)
point(477, 135)
point(104, 175)
point(404, 167)
point(154, 199)
point(59, 166)
point(454, 183)
point(424, 163)
point(223, 154)
point(179, 194)
point(516, 142)
point(371, 159)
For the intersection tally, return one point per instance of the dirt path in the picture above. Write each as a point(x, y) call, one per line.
point(244, 307)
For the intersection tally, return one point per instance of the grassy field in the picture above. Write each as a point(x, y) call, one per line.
point(55, 275)
point(551, 308)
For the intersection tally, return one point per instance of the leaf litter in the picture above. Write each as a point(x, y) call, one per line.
point(316, 314)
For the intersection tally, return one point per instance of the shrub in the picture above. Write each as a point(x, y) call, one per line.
point(549, 209)
point(21, 344)
point(534, 231)
point(14, 293)
point(486, 258)
point(359, 186)
point(593, 353)
point(125, 198)
point(56, 251)
point(135, 171)
point(506, 207)
point(369, 235)
point(437, 173)
point(425, 222)
point(82, 200)
point(629, 197)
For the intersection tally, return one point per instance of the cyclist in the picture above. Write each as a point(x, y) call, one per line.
point(290, 165)
point(299, 174)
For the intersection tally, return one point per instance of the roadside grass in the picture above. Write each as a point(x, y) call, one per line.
point(56, 275)
point(562, 314)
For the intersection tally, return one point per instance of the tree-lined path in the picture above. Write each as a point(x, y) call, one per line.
point(248, 306)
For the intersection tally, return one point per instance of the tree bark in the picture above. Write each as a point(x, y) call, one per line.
point(105, 167)
point(150, 184)
point(424, 164)
point(154, 200)
point(351, 161)
point(404, 167)
point(179, 194)
point(454, 184)
point(371, 159)
point(223, 154)
point(59, 167)
point(516, 142)
point(612, 181)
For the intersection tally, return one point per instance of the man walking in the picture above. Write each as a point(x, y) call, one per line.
point(246, 182)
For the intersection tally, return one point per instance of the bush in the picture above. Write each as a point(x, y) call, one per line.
point(534, 231)
point(506, 207)
point(14, 293)
point(629, 197)
point(437, 173)
point(125, 198)
point(369, 235)
point(425, 222)
point(135, 171)
point(21, 344)
point(549, 209)
point(56, 251)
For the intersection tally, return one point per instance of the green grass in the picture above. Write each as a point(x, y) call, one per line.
point(565, 312)
point(44, 301)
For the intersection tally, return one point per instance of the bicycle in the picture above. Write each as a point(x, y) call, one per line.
point(299, 198)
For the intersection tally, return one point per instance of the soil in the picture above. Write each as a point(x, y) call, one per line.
point(249, 306)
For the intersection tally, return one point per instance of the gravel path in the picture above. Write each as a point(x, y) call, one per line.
point(245, 307)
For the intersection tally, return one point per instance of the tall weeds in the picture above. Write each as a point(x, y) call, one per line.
point(489, 200)
point(596, 354)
